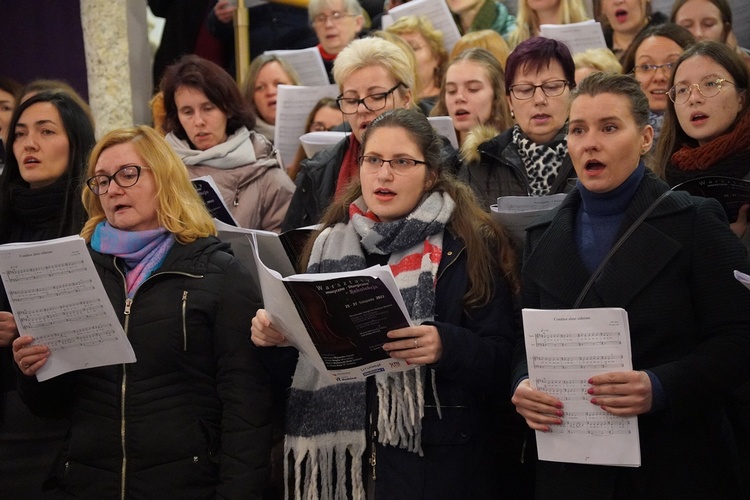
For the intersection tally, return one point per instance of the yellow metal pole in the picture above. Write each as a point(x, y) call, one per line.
point(241, 40)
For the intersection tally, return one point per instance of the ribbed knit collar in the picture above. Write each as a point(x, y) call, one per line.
point(615, 201)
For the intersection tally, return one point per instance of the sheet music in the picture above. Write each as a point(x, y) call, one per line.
point(293, 105)
point(314, 142)
point(517, 212)
point(57, 298)
point(444, 126)
point(564, 348)
point(437, 12)
point(308, 63)
point(577, 36)
point(742, 278)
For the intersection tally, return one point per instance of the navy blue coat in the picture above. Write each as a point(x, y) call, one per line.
point(463, 451)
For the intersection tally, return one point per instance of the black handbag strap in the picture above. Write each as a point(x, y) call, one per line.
point(616, 246)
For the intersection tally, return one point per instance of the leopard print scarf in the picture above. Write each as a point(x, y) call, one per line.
point(541, 161)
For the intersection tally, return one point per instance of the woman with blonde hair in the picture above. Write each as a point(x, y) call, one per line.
point(265, 74)
point(191, 417)
point(473, 94)
point(429, 49)
point(373, 75)
point(488, 40)
point(595, 61)
point(547, 12)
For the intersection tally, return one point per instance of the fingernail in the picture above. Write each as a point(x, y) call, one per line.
point(559, 404)
point(559, 414)
point(593, 401)
point(591, 381)
point(590, 390)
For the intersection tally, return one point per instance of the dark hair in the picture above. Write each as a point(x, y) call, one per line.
point(677, 34)
point(488, 247)
point(622, 85)
point(211, 79)
point(724, 9)
point(325, 102)
point(672, 136)
point(43, 85)
point(500, 118)
point(80, 133)
point(10, 86)
point(536, 53)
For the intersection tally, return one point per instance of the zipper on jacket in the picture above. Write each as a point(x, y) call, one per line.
point(373, 453)
point(123, 391)
point(128, 304)
point(184, 324)
point(236, 197)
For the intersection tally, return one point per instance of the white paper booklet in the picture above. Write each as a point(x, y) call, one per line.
point(436, 11)
point(577, 36)
point(308, 63)
point(293, 105)
point(742, 278)
point(564, 348)
point(444, 126)
point(517, 212)
point(57, 298)
point(314, 142)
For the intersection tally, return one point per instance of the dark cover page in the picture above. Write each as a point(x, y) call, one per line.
point(347, 318)
point(214, 204)
point(730, 192)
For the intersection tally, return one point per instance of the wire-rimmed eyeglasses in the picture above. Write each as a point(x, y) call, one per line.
point(708, 87)
point(553, 88)
point(650, 69)
point(124, 177)
point(335, 17)
point(373, 102)
point(372, 164)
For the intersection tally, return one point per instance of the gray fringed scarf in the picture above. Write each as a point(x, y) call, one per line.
point(326, 421)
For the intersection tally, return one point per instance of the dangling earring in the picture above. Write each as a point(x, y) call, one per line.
point(512, 114)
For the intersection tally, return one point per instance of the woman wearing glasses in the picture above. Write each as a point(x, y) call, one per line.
point(650, 59)
point(530, 158)
point(428, 432)
point(373, 76)
point(190, 418)
point(707, 129)
point(336, 24)
point(49, 139)
point(688, 317)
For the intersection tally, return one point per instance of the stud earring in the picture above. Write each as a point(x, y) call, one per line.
point(512, 114)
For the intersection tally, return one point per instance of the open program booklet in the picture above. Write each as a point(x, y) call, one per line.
point(338, 321)
point(58, 298)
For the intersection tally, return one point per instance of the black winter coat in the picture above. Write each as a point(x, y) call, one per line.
point(689, 324)
point(190, 419)
point(500, 171)
point(466, 453)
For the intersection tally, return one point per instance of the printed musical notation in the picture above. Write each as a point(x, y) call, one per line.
point(577, 339)
point(564, 349)
point(42, 293)
point(19, 275)
point(609, 362)
point(57, 298)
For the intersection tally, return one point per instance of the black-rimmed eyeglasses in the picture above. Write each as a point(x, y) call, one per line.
point(125, 177)
point(553, 88)
point(373, 102)
point(372, 164)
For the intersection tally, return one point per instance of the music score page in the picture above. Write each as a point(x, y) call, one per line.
point(57, 298)
point(564, 348)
